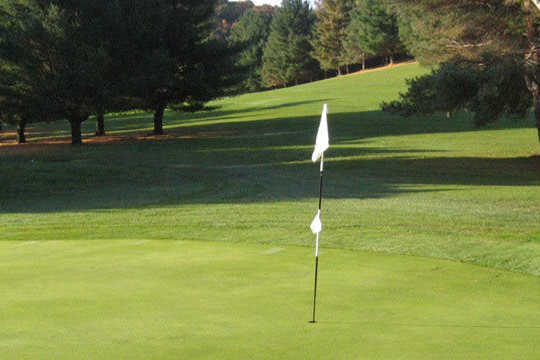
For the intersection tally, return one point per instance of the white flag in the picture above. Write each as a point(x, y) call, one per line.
point(316, 225)
point(321, 144)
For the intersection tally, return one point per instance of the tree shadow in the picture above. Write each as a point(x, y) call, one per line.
point(260, 161)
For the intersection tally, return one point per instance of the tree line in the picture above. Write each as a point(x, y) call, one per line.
point(295, 43)
point(70, 59)
point(80, 58)
point(486, 57)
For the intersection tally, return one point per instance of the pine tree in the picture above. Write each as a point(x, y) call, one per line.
point(353, 51)
point(455, 31)
point(252, 32)
point(333, 17)
point(376, 29)
point(178, 63)
point(286, 58)
point(55, 66)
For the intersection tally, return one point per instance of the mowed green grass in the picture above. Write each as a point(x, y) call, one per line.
point(230, 193)
point(190, 300)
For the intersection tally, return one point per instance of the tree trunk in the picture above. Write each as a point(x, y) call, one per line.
point(536, 101)
point(100, 124)
point(363, 61)
point(391, 59)
point(532, 66)
point(21, 126)
point(158, 120)
point(339, 71)
point(76, 138)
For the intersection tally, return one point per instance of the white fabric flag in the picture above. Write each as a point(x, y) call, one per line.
point(316, 225)
point(322, 142)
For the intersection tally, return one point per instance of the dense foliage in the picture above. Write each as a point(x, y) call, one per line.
point(500, 42)
point(252, 32)
point(286, 58)
point(71, 59)
point(375, 30)
point(333, 17)
point(489, 92)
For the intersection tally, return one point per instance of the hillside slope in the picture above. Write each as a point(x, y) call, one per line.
point(242, 172)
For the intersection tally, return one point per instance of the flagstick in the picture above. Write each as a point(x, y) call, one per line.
point(317, 241)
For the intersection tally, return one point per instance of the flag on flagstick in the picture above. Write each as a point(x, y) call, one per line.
point(322, 143)
point(316, 225)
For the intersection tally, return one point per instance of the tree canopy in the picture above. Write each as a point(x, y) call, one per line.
point(251, 32)
point(484, 35)
point(333, 17)
point(71, 59)
point(375, 29)
point(287, 54)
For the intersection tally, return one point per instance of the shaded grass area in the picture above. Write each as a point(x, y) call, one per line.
point(241, 173)
point(176, 299)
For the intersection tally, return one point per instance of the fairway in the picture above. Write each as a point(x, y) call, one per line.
point(196, 245)
point(193, 300)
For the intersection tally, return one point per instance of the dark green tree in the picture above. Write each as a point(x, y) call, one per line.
point(488, 92)
point(52, 62)
point(375, 29)
point(252, 32)
point(333, 17)
point(228, 13)
point(287, 55)
point(473, 31)
point(178, 63)
point(354, 53)
point(19, 110)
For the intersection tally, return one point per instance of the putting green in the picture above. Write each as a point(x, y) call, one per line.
point(142, 299)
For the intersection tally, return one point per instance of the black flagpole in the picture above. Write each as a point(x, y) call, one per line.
point(317, 243)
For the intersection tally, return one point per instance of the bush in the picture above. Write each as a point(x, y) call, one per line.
point(489, 89)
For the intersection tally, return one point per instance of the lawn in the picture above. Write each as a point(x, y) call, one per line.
point(197, 245)
point(134, 299)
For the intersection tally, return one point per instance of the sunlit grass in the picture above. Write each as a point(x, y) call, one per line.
point(238, 180)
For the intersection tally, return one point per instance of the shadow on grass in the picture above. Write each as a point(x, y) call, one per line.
point(258, 161)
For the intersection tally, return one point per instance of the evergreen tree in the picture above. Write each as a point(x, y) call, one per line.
point(286, 57)
point(333, 17)
point(252, 32)
point(53, 65)
point(178, 63)
point(462, 85)
point(228, 14)
point(353, 51)
point(473, 31)
point(376, 29)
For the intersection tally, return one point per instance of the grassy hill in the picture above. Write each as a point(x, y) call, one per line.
point(430, 187)
point(236, 189)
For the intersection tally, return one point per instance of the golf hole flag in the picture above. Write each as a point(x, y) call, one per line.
point(316, 225)
point(321, 145)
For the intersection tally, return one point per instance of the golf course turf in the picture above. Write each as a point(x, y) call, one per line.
point(196, 245)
